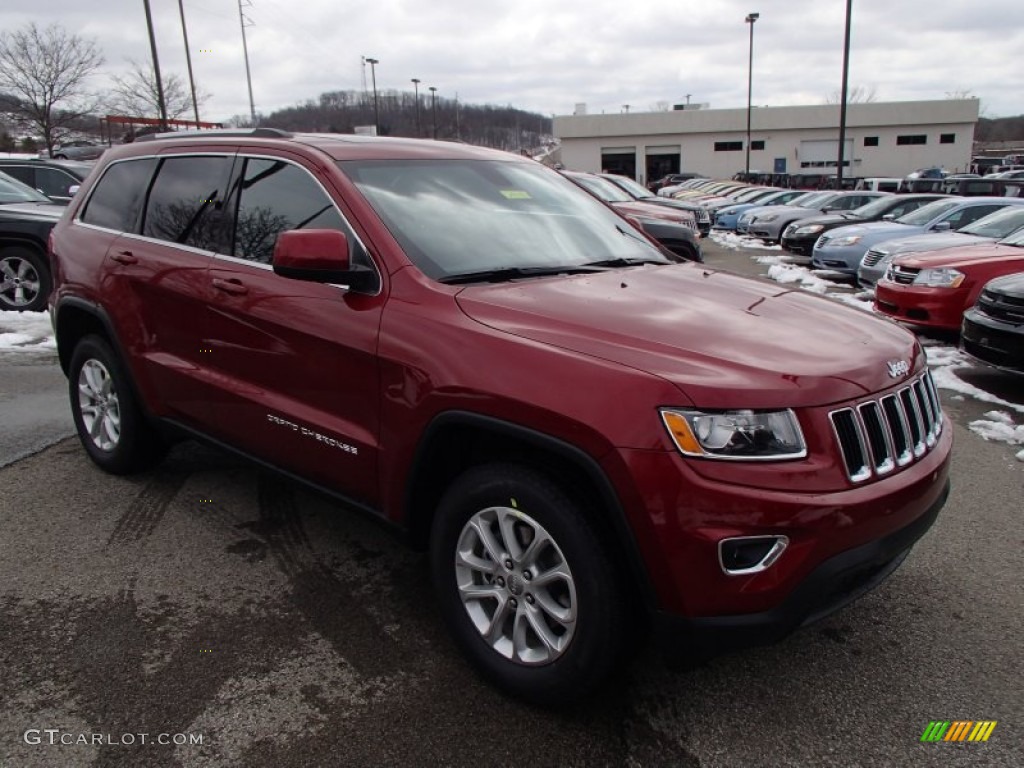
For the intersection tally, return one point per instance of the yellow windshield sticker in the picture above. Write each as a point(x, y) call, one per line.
point(515, 194)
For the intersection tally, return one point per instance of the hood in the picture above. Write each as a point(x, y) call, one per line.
point(964, 257)
point(875, 229)
point(931, 242)
point(783, 210)
point(826, 219)
point(726, 341)
point(648, 210)
point(42, 211)
point(1011, 285)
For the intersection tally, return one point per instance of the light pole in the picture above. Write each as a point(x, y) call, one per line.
point(842, 98)
point(433, 107)
point(751, 18)
point(376, 112)
point(188, 61)
point(161, 103)
point(416, 85)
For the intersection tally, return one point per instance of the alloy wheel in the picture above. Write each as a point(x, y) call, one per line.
point(99, 405)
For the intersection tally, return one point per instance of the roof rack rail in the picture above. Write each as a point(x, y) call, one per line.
point(256, 133)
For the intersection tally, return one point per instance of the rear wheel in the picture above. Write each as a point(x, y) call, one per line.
point(109, 421)
point(525, 584)
point(24, 279)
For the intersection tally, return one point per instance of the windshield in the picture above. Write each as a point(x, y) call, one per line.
point(634, 188)
point(875, 208)
point(13, 191)
point(998, 224)
point(812, 200)
point(454, 217)
point(926, 213)
point(1017, 239)
point(604, 190)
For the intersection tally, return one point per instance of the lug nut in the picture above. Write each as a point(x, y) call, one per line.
point(513, 603)
point(529, 599)
point(527, 575)
point(509, 564)
point(500, 581)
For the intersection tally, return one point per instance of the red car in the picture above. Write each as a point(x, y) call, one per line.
point(935, 288)
point(588, 438)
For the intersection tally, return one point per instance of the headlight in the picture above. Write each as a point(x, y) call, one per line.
point(768, 217)
point(840, 242)
point(809, 229)
point(737, 435)
point(939, 278)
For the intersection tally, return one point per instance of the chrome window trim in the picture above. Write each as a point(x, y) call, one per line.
point(231, 155)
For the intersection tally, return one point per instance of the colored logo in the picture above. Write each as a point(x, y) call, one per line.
point(958, 730)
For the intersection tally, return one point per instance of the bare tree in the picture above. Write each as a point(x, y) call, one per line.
point(46, 70)
point(135, 93)
point(859, 94)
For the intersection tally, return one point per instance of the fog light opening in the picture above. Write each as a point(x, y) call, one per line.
point(744, 555)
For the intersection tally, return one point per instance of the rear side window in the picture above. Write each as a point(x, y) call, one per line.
point(54, 183)
point(186, 200)
point(276, 196)
point(22, 174)
point(117, 198)
point(965, 216)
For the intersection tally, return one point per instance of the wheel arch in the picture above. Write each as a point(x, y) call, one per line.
point(456, 440)
point(74, 319)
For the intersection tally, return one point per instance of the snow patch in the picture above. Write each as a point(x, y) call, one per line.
point(788, 273)
point(734, 242)
point(21, 329)
point(998, 426)
point(945, 361)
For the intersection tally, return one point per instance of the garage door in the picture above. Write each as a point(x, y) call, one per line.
point(822, 153)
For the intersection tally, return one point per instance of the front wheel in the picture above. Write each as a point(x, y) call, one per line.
point(525, 584)
point(24, 279)
point(111, 425)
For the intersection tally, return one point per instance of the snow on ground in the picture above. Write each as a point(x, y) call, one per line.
point(734, 242)
point(945, 362)
point(999, 426)
point(790, 273)
point(26, 330)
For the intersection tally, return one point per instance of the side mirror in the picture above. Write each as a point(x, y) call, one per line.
point(889, 217)
point(73, 189)
point(942, 226)
point(320, 256)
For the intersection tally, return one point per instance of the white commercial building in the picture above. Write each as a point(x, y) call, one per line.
point(882, 139)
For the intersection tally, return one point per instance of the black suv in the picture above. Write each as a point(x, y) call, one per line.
point(57, 179)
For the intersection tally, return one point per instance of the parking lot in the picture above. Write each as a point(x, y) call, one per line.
point(207, 613)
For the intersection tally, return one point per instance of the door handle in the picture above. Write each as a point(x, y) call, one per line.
point(233, 286)
point(125, 257)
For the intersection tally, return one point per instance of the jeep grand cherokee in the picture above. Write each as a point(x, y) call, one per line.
point(581, 431)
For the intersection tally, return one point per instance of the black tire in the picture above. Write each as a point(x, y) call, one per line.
point(594, 646)
point(137, 445)
point(24, 279)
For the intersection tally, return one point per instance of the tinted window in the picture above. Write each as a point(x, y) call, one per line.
point(965, 216)
point(54, 183)
point(22, 174)
point(275, 197)
point(117, 198)
point(186, 200)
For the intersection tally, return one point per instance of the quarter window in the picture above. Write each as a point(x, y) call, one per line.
point(276, 196)
point(116, 201)
point(185, 203)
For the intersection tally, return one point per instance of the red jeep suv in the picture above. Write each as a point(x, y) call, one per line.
point(590, 437)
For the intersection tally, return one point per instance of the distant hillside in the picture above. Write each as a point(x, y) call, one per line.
point(341, 111)
point(1000, 129)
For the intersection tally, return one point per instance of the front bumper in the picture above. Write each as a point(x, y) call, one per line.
point(993, 341)
point(921, 305)
point(841, 259)
point(835, 583)
point(803, 245)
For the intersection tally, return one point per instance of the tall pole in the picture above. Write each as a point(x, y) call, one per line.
point(188, 61)
point(245, 52)
point(751, 18)
point(376, 112)
point(458, 129)
point(842, 98)
point(416, 85)
point(433, 107)
point(161, 103)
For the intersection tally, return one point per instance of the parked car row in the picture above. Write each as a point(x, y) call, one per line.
point(934, 261)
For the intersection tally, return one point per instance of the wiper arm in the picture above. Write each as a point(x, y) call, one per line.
point(513, 273)
point(621, 262)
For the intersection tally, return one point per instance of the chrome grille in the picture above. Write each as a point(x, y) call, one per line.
point(903, 275)
point(878, 436)
point(871, 258)
point(1005, 308)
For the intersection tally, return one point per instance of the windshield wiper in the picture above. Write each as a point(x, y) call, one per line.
point(621, 262)
point(514, 273)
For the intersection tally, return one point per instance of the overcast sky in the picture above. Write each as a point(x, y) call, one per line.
point(547, 56)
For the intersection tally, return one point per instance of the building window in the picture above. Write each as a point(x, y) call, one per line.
point(914, 138)
point(947, 138)
point(728, 146)
point(870, 141)
point(759, 144)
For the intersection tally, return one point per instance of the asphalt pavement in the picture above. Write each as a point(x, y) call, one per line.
point(258, 624)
